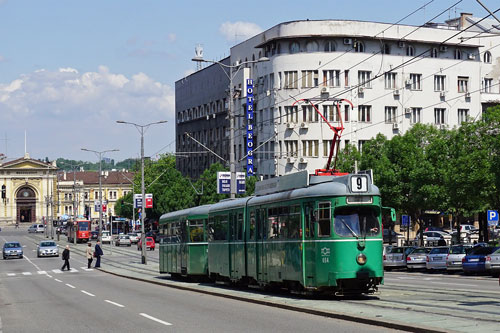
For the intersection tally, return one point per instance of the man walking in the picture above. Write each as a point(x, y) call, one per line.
point(65, 257)
point(98, 254)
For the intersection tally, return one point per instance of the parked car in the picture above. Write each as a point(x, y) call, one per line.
point(455, 256)
point(394, 236)
point(134, 237)
point(437, 238)
point(36, 228)
point(436, 259)
point(474, 261)
point(12, 249)
point(435, 229)
point(492, 263)
point(123, 240)
point(106, 237)
point(396, 256)
point(468, 228)
point(47, 249)
point(417, 258)
point(150, 244)
point(94, 234)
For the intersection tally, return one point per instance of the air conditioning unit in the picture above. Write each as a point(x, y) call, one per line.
point(303, 125)
point(396, 92)
point(443, 48)
point(361, 90)
point(325, 91)
point(290, 125)
point(467, 95)
point(471, 56)
point(442, 94)
point(302, 160)
point(408, 82)
point(395, 126)
point(401, 44)
point(347, 41)
point(407, 110)
point(290, 160)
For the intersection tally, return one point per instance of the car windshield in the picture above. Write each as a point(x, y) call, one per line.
point(133, 235)
point(396, 250)
point(439, 250)
point(12, 245)
point(124, 237)
point(83, 226)
point(458, 249)
point(481, 250)
point(356, 221)
point(47, 244)
point(149, 239)
point(420, 250)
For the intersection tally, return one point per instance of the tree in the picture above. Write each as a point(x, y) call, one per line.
point(347, 158)
point(208, 184)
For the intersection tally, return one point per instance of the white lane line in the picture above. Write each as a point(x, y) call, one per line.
point(72, 270)
point(57, 271)
point(42, 272)
point(11, 274)
point(26, 273)
point(49, 276)
point(87, 293)
point(111, 302)
point(456, 284)
point(87, 269)
point(31, 262)
point(70, 286)
point(57, 280)
point(155, 319)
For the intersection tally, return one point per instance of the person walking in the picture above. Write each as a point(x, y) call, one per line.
point(65, 257)
point(89, 254)
point(98, 253)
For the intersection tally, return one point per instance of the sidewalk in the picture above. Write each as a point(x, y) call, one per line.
point(371, 310)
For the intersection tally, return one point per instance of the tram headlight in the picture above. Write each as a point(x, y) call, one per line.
point(361, 259)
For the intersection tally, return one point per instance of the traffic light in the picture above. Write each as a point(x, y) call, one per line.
point(3, 191)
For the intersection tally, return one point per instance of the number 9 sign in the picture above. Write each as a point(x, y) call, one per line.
point(359, 183)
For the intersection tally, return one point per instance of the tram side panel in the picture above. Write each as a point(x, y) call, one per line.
point(218, 245)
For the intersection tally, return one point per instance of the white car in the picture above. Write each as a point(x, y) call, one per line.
point(134, 237)
point(36, 228)
point(106, 237)
point(123, 240)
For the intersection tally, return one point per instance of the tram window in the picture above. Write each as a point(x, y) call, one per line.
point(274, 227)
point(294, 223)
point(220, 227)
point(309, 220)
point(210, 229)
point(196, 231)
point(283, 226)
point(240, 226)
point(252, 226)
point(356, 222)
point(324, 228)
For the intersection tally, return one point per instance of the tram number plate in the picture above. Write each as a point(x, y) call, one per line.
point(359, 184)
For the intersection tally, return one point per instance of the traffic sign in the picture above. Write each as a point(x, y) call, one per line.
point(149, 200)
point(405, 220)
point(137, 200)
point(492, 216)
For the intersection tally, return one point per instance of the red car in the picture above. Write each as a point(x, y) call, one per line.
point(150, 244)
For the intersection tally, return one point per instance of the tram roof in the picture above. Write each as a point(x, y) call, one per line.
point(199, 210)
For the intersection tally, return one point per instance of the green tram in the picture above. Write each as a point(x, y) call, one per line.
point(305, 233)
point(183, 247)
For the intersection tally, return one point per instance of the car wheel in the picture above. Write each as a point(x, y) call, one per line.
point(410, 269)
point(129, 245)
point(4, 257)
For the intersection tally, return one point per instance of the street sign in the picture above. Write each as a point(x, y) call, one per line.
point(149, 200)
point(492, 217)
point(223, 182)
point(104, 207)
point(405, 220)
point(240, 183)
point(137, 200)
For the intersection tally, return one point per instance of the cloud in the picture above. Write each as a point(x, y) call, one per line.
point(172, 37)
point(70, 106)
point(2, 58)
point(239, 31)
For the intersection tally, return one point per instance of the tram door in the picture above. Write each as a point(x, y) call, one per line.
point(184, 247)
point(309, 261)
point(233, 234)
point(260, 245)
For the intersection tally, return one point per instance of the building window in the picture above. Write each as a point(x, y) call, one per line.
point(386, 49)
point(292, 114)
point(310, 148)
point(487, 57)
point(416, 115)
point(487, 84)
point(294, 47)
point(330, 46)
point(439, 81)
point(434, 52)
point(390, 114)
point(458, 54)
point(415, 81)
point(309, 79)
point(439, 116)
point(309, 114)
point(463, 84)
point(364, 113)
point(331, 78)
point(326, 147)
point(364, 79)
point(347, 109)
point(361, 143)
point(346, 78)
point(291, 79)
point(462, 115)
point(291, 148)
point(410, 51)
point(312, 46)
point(359, 47)
point(390, 80)
point(330, 113)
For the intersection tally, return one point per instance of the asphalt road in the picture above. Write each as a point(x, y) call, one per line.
point(35, 296)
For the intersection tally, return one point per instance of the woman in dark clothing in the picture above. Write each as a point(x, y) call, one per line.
point(98, 254)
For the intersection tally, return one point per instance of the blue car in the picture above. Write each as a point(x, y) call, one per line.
point(474, 261)
point(12, 249)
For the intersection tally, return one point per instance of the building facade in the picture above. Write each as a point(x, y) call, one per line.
point(372, 77)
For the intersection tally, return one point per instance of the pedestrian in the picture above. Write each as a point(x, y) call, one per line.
point(65, 257)
point(90, 255)
point(98, 253)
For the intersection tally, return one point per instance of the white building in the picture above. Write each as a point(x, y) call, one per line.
point(394, 76)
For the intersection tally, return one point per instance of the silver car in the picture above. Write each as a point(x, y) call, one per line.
point(417, 258)
point(134, 237)
point(47, 249)
point(455, 256)
point(395, 256)
point(492, 263)
point(436, 259)
point(123, 240)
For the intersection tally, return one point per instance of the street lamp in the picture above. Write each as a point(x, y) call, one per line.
point(99, 154)
point(231, 75)
point(141, 130)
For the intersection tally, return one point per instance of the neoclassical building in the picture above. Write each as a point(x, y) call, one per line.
point(26, 184)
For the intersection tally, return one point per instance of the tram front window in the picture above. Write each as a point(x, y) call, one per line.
point(356, 222)
point(83, 226)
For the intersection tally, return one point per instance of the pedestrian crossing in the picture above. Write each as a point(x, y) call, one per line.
point(54, 271)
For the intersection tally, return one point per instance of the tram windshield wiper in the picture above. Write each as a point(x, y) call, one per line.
point(350, 229)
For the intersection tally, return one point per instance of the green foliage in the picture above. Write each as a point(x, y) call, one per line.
point(346, 159)
point(207, 185)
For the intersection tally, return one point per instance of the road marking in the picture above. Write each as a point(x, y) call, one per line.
point(155, 319)
point(26, 273)
point(456, 284)
point(87, 269)
point(70, 286)
point(31, 262)
point(42, 272)
point(72, 270)
point(57, 271)
point(87, 293)
point(111, 302)
point(11, 274)
point(57, 280)
point(49, 276)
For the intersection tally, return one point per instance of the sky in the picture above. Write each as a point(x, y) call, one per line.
point(70, 69)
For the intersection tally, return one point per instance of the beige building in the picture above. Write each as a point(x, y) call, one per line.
point(26, 186)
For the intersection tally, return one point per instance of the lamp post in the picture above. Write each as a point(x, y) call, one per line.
point(233, 71)
point(141, 129)
point(99, 154)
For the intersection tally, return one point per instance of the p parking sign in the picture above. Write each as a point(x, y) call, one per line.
point(492, 217)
